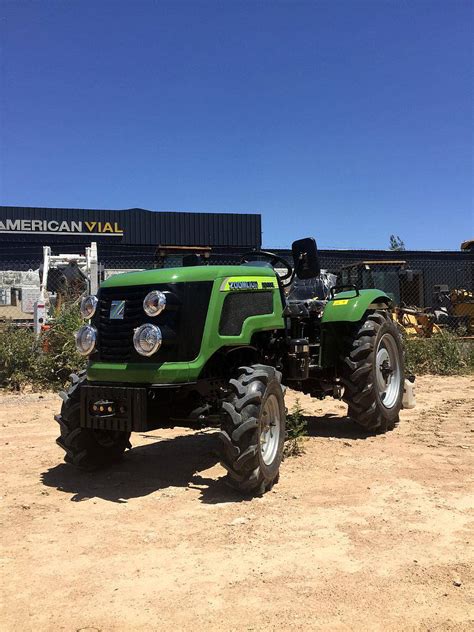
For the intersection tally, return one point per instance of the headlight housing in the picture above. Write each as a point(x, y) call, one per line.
point(154, 303)
point(86, 338)
point(147, 339)
point(88, 306)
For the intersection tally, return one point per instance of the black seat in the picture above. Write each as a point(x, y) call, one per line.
point(303, 308)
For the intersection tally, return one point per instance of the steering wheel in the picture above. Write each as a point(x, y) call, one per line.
point(274, 259)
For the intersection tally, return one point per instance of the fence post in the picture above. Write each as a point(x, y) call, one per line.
point(93, 268)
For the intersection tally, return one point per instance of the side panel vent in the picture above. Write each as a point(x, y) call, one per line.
point(241, 305)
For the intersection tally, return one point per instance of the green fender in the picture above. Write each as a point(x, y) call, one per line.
point(349, 307)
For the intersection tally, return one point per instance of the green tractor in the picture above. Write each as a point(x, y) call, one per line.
point(208, 345)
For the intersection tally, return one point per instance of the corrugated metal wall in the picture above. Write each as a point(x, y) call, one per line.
point(142, 227)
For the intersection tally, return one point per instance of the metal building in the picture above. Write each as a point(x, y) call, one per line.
point(133, 239)
point(128, 233)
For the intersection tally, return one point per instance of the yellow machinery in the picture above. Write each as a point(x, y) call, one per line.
point(402, 284)
point(462, 303)
point(405, 288)
point(416, 323)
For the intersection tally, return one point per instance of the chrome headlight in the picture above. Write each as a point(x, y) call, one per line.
point(154, 303)
point(86, 337)
point(88, 306)
point(147, 339)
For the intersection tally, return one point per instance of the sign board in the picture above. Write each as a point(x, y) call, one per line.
point(46, 227)
point(129, 227)
point(28, 297)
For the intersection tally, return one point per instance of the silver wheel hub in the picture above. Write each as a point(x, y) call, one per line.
point(387, 370)
point(269, 429)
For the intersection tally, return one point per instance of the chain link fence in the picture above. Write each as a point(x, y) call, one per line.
point(417, 281)
point(428, 289)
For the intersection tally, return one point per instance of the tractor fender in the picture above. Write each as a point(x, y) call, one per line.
point(350, 306)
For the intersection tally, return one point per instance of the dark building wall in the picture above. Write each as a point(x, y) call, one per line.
point(129, 227)
point(125, 238)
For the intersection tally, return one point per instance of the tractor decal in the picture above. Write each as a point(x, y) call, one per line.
point(231, 284)
point(117, 310)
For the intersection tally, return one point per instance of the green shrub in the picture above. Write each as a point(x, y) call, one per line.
point(44, 362)
point(443, 354)
point(467, 353)
point(18, 357)
point(61, 358)
point(296, 431)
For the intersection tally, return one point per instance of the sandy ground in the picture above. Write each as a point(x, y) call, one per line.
point(360, 533)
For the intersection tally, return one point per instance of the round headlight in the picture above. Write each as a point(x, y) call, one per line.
point(88, 306)
point(86, 338)
point(154, 303)
point(147, 339)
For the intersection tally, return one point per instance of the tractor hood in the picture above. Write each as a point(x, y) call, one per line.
point(212, 307)
point(186, 274)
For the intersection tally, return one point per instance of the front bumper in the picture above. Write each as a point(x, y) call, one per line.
point(114, 408)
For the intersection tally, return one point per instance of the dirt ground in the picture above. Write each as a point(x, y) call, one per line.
point(360, 534)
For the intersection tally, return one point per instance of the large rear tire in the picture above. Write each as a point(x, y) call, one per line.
point(253, 429)
point(373, 374)
point(86, 448)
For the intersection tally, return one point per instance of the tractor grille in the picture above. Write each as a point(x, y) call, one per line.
point(182, 322)
point(116, 336)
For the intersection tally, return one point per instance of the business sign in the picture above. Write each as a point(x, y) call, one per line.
point(132, 226)
point(47, 227)
point(29, 295)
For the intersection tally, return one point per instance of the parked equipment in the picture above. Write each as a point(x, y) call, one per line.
point(18, 292)
point(417, 322)
point(213, 345)
point(403, 284)
point(64, 277)
point(454, 309)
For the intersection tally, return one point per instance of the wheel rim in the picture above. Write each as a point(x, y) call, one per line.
point(270, 429)
point(387, 370)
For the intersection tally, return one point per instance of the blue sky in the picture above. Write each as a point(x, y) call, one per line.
point(345, 120)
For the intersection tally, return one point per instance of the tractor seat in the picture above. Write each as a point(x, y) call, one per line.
point(304, 309)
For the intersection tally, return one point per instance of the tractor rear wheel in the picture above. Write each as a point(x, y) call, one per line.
point(253, 429)
point(86, 448)
point(373, 374)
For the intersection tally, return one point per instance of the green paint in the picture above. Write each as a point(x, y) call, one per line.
point(189, 274)
point(179, 372)
point(347, 307)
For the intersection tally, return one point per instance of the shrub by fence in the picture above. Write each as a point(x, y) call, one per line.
point(44, 362)
point(443, 354)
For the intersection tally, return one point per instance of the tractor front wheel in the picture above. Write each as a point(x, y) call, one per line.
point(253, 429)
point(373, 374)
point(86, 448)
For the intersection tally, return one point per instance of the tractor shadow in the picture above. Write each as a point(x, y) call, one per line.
point(173, 462)
point(333, 426)
point(146, 469)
